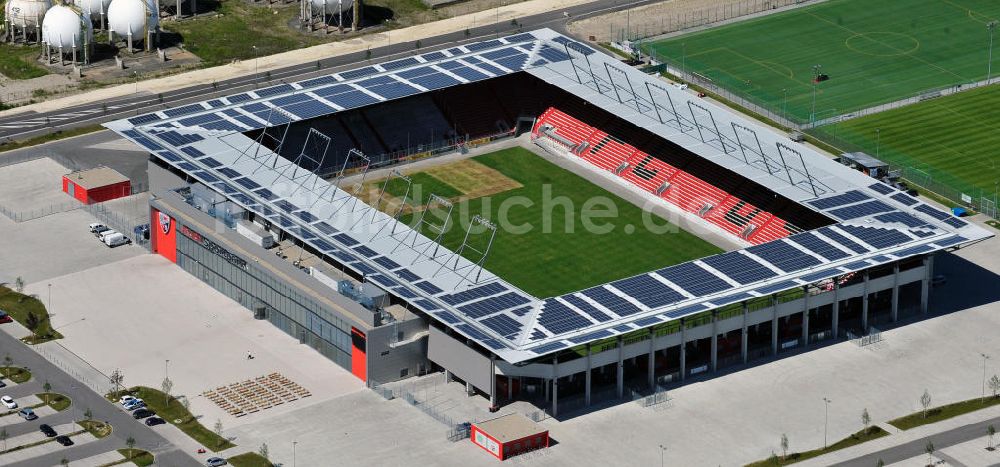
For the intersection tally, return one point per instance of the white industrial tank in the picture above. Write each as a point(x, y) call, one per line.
point(93, 8)
point(66, 27)
point(26, 13)
point(134, 17)
point(332, 6)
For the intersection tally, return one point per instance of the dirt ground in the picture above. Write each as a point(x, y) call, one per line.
point(651, 20)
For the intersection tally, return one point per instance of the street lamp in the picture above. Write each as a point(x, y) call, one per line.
point(255, 75)
point(293, 452)
point(989, 63)
point(135, 74)
point(50, 300)
point(166, 369)
point(663, 449)
point(826, 418)
point(985, 357)
point(816, 68)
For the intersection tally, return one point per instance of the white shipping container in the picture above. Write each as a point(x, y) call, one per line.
point(255, 234)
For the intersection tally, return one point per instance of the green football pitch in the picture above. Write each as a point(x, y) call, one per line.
point(874, 51)
point(566, 255)
point(949, 140)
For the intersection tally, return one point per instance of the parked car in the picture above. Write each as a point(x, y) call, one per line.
point(95, 226)
point(99, 230)
point(8, 402)
point(106, 233)
point(47, 430)
point(64, 440)
point(27, 414)
point(126, 399)
point(215, 462)
point(153, 421)
point(116, 239)
point(142, 413)
point(2, 384)
point(4, 317)
point(131, 403)
point(133, 408)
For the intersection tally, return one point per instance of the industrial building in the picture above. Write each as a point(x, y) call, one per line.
point(826, 250)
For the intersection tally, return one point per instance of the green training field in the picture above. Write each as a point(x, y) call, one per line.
point(952, 140)
point(873, 51)
point(569, 256)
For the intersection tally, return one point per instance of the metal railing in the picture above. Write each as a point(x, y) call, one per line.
point(873, 336)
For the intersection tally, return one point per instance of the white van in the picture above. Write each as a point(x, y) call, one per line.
point(115, 239)
point(106, 233)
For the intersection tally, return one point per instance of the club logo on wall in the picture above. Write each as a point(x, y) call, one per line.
point(165, 223)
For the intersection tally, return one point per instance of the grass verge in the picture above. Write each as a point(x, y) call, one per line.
point(993, 223)
point(249, 459)
point(855, 439)
point(135, 456)
point(22, 307)
point(943, 412)
point(16, 374)
point(18, 62)
point(58, 402)
point(97, 428)
point(174, 412)
point(49, 137)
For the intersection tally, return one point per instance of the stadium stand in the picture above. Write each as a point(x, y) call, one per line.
point(473, 113)
point(721, 202)
point(410, 123)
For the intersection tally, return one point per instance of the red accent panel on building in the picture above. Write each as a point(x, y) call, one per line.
point(164, 234)
point(97, 194)
point(359, 360)
point(532, 438)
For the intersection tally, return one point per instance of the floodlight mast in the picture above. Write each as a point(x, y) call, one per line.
point(477, 221)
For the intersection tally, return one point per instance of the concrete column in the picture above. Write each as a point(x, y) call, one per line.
point(621, 368)
point(864, 307)
point(447, 376)
point(493, 372)
point(510, 389)
point(925, 287)
point(774, 324)
point(835, 325)
point(894, 314)
point(715, 341)
point(555, 386)
point(469, 390)
point(805, 315)
point(683, 351)
point(586, 379)
point(743, 335)
point(651, 363)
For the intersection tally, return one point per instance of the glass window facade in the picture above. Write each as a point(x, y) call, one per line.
point(294, 313)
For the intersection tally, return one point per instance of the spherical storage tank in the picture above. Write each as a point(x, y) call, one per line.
point(132, 16)
point(332, 6)
point(66, 27)
point(26, 12)
point(93, 8)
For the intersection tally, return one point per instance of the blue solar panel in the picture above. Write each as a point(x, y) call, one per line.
point(388, 87)
point(435, 81)
point(367, 252)
point(693, 279)
point(816, 245)
point(900, 217)
point(386, 262)
point(199, 120)
point(576, 46)
point(852, 196)
point(345, 239)
point(861, 210)
point(493, 305)
point(504, 325)
point(648, 321)
point(558, 318)
point(483, 45)
point(784, 256)
point(325, 228)
point(857, 265)
point(878, 238)
point(433, 56)
point(485, 290)
point(309, 109)
point(485, 66)
point(524, 37)
point(739, 297)
point(904, 199)
point(205, 176)
point(186, 166)
point(428, 287)
point(826, 273)
point(328, 79)
point(345, 96)
point(382, 280)
point(882, 188)
point(552, 54)
point(187, 109)
point(266, 194)
point(223, 125)
point(352, 74)
point(954, 222)
point(403, 63)
point(143, 119)
point(448, 317)
point(463, 71)
point(515, 62)
point(950, 241)
point(286, 206)
point(168, 156)
point(365, 269)
point(922, 233)
point(587, 308)
point(916, 250)
point(305, 216)
point(229, 172)
point(236, 98)
point(547, 348)
point(273, 90)
point(616, 304)
point(773, 288)
point(648, 291)
point(593, 336)
point(939, 215)
point(739, 267)
point(407, 275)
point(323, 245)
point(837, 237)
point(686, 310)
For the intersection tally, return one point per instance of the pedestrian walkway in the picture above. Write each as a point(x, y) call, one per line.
point(98, 460)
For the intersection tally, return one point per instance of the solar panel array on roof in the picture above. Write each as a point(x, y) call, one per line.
point(882, 188)
point(816, 245)
point(739, 267)
point(648, 291)
point(558, 318)
point(586, 307)
point(861, 210)
point(837, 237)
point(783, 255)
point(900, 217)
point(481, 291)
point(693, 279)
point(504, 325)
point(852, 196)
point(939, 215)
point(876, 237)
point(904, 199)
point(616, 304)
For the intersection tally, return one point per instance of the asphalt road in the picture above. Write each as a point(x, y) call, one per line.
point(25, 125)
point(911, 449)
point(83, 397)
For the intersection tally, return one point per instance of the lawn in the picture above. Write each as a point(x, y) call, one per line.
point(175, 414)
point(873, 52)
point(249, 459)
point(57, 401)
point(943, 412)
point(856, 438)
point(950, 139)
point(421, 187)
point(19, 62)
point(21, 307)
point(97, 428)
point(16, 374)
point(547, 249)
point(136, 456)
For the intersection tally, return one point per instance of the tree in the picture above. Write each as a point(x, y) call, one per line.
point(130, 442)
point(865, 419)
point(31, 322)
point(218, 431)
point(19, 285)
point(368, 54)
point(8, 362)
point(995, 385)
point(990, 431)
point(417, 44)
point(784, 446)
point(166, 386)
point(263, 451)
point(3, 437)
point(925, 401)
point(929, 449)
point(64, 461)
point(880, 462)
point(117, 378)
point(88, 414)
point(47, 387)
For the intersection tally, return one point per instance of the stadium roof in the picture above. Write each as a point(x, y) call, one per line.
point(877, 223)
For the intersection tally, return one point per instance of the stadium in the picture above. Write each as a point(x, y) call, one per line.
point(773, 247)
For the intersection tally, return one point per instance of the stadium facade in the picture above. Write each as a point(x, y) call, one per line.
point(826, 251)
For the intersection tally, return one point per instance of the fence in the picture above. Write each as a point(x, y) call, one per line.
point(659, 396)
point(97, 209)
point(75, 366)
point(874, 336)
